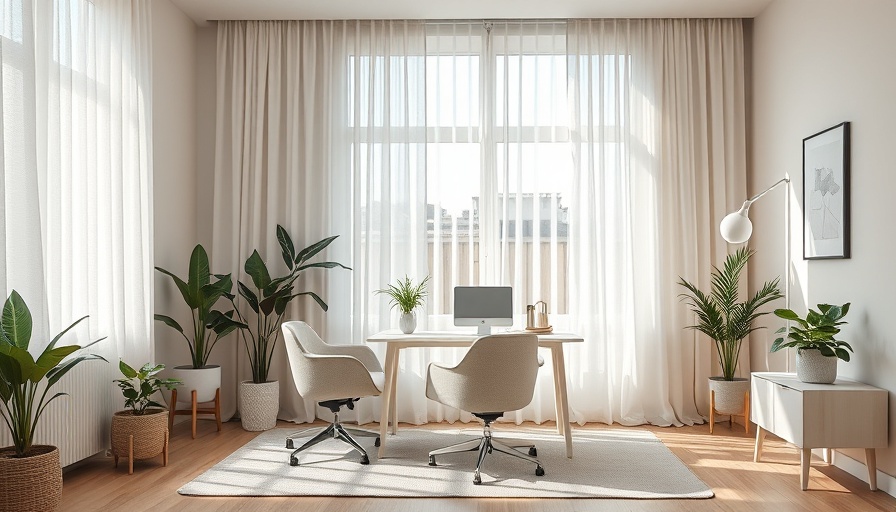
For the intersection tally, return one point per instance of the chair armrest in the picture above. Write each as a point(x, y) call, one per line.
point(362, 353)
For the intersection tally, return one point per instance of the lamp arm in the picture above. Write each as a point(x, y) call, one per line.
point(785, 179)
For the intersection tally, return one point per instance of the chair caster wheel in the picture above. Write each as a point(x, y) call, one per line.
point(364, 460)
point(539, 471)
point(377, 442)
point(476, 479)
point(432, 461)
point(293, 461)
point(533, 452)
point(289, 444)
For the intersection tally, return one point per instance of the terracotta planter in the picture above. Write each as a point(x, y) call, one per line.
point(140, 437)
point(815, 368)
point(30, 484)
point(259, 405)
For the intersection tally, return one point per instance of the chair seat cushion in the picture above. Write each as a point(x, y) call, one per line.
point(379, 379)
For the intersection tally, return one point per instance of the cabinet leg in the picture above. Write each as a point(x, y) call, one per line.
point(712, 410)
point(871, 462)
point(760, 437)
point(805, 457)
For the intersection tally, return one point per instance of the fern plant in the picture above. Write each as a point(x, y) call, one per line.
point(721, 316)
point(405, 295)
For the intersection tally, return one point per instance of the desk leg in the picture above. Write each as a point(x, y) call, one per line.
point(561, 398)
point(871, 462)
point(757, 450)
point(393, 411)
point(387, 397)
point(557, 399)
point(805, 457)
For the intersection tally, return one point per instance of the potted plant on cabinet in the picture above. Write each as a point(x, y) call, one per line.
point(816, 349)
point(268, 298)
point(727, 321)
point(209, 325)
point(406, 296)
point(141, 430)
point(30, 474)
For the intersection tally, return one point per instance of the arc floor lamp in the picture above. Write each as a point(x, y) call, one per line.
point(736, 228)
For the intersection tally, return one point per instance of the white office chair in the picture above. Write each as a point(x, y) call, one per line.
point(496, 375)
point(334, 376)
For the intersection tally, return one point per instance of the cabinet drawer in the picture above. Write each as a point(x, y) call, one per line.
point(788, 414)
point(762, 401)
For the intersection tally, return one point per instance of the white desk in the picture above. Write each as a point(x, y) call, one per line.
point(395, 341)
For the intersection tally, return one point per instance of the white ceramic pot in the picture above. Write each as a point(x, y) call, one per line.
point(815, 368)
point(259, 405)
point(408, 322)
point(729, 395)
point(205, 381)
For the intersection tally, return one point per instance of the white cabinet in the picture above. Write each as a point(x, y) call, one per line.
point(845, 414)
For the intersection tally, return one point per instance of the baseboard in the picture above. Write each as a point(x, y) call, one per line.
point(885, 482)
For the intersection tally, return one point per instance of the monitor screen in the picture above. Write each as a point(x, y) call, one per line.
point(483, 306)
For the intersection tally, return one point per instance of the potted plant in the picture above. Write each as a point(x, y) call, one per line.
point(30, 474)
point(817, 350)
point(727, 321)
point(140, 431)
point(268, 299)
point(406, 296)
point(209, 325)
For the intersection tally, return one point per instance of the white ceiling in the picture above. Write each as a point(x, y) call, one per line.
point(203, 10)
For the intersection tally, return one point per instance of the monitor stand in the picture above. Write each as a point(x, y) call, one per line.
point(484, 330)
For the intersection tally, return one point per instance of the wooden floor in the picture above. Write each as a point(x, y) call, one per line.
point(722, 460)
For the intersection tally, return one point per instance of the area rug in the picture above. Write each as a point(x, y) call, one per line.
point(611, 463)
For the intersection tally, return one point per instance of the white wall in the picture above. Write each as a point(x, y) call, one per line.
point(174, 165)
point(817, 63)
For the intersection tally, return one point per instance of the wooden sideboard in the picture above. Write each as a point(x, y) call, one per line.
point(845, 414)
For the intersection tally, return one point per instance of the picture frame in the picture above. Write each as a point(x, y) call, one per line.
point(826, 194)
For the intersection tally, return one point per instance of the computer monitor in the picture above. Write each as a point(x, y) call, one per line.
point(483, 306)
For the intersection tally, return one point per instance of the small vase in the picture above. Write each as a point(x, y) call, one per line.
point(814, 367)
point(408, 322)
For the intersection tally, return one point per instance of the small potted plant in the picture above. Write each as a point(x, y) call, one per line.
point(30, 474)
point(140, 431)
point(209, 325)
point(268, 298)
point(727, 321)
point(817, 350)
point(406, 296)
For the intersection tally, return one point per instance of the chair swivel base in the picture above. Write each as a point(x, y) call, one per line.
point(333, 431)
point(485, 445)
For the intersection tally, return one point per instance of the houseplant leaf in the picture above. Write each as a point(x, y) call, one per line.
point(16, 320)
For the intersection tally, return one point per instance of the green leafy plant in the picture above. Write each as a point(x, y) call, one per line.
point(21, 375)
point(816, 331)
point(719, 313)
point(138, 387)
point(405, 295)
point(200, 294)
point(268, 298)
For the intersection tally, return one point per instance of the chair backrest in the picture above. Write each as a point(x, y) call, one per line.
point(497, 374)
point(300, 339)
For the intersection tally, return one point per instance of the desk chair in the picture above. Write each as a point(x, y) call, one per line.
point(496, 375)
point(335, 376)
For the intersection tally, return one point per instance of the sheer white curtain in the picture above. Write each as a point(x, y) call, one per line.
point(584, 163)
point(76, 175)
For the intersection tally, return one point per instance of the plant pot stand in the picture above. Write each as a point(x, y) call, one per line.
point(194, 410)
point(713, 412)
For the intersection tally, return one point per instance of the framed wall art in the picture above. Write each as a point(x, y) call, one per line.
point(826, 194)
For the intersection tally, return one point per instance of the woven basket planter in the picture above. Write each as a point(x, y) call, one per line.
point(30, 484)
point(259, 405)
point(140, 437)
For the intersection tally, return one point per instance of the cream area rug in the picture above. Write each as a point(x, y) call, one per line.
point(612, 463)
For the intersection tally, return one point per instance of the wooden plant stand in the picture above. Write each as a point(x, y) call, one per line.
point(713, 412)
point(131, 453)
point(193, 410)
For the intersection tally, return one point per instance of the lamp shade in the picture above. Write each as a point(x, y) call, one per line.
point(736, 227)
